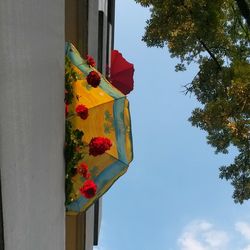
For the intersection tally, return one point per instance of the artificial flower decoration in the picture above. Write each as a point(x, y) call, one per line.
point(82, 111)
point(99, 145)
point(83, 170)
point(93, 79)
point(90, 61)
point(88, 190)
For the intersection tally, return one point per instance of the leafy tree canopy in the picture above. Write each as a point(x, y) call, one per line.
point(215, 34)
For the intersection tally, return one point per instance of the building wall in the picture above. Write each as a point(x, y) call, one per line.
point(32, 123)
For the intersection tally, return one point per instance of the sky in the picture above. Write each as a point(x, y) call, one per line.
point(171, 198)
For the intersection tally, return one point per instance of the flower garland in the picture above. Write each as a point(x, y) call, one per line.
point(73, 149)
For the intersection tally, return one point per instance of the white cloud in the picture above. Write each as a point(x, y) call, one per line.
point(244, 229)
point(201, 235)
point(188, 242)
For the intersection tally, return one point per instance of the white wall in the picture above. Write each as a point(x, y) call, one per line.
point(32, 123)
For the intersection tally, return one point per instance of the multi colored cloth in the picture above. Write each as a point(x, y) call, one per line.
point(108, 117)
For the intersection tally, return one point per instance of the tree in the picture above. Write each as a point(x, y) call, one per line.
point(215, 35)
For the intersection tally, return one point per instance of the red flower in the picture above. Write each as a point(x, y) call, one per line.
point(66, 109)
point(93, 79)
point(83, 170)
point(98, 145)
point(82, 111)
point(88, 190)
point(90, 60)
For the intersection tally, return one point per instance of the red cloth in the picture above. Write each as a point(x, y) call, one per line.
point(121, 72)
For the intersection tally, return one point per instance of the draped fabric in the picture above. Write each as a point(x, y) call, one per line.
point(121, 73)
point(108, 117)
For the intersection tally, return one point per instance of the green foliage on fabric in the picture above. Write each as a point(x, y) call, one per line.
point(73, 138)
point(215, 35)
point(70, 77)
point(73, 142)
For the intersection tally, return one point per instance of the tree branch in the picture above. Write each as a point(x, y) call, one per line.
point(201, 42)
point(210, 53)
point(238, 19)
point(244, 10)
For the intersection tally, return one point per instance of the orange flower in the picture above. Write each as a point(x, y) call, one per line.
point(83, 170)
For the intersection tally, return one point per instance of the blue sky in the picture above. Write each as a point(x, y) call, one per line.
point(171, 197)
